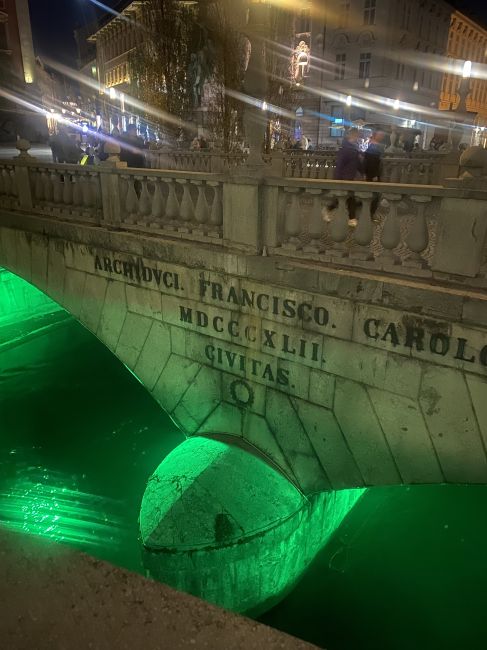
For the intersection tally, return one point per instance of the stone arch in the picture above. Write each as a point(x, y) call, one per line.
point(200, 399)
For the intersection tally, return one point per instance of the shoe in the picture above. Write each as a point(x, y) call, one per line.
point(352, 223)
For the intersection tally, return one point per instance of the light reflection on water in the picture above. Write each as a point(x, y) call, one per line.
point(39, 501)
point(79, 437)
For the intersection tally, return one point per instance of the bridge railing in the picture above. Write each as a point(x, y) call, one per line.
point(411, 230)
point(419, 168)
point(365, 225)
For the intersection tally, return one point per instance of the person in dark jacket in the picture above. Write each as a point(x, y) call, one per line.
point(349, 167)
point(373, 157)
point(132, 148)
point(373, 165)
point(349, 160)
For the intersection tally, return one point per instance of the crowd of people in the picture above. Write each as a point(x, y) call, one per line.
point(68, 146)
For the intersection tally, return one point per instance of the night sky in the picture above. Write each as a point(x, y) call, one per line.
point(53, 22)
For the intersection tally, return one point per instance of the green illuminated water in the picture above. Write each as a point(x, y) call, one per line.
point(79, 437)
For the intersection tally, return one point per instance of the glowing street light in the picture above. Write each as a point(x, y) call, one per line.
point(348, 101)
point(467, 70)
point(395, 105)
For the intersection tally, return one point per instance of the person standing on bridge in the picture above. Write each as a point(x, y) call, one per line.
point(349, 167)
point(373, 165)
point(132, 148)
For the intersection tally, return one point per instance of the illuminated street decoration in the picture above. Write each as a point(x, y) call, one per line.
point(221, 523)
point(301, 61)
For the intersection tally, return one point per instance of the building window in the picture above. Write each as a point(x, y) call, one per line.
point(340, 66)
point(369, 12)
point(2, 4)
point(344, 16)
point(364, 66)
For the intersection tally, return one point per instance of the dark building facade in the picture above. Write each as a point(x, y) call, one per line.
point(19, 93)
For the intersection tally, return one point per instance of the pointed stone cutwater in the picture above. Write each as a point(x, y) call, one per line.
point(221, 523)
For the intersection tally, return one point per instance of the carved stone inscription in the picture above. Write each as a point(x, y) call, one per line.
point(252, 330)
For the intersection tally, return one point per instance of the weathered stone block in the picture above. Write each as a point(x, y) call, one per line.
point(404, 427)
point(154, 355)
point(453, 428)
point(201, 398)
point(144, 302)
point(113, 314)
point(322, 388)
point(359, 423)
point(93, 301)
point(288, 430)
point(461, 236)
point(329, 444)
point(133, 336)
point(174, 381)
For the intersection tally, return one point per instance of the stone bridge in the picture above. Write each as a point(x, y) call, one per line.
point(333, 357)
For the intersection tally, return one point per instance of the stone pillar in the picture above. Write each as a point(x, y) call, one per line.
point(462, 234)
point(241, 214)
point(110, 186)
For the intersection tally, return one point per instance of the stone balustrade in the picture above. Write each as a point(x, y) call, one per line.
point(181, 206)
point(422, 168)
point(412, 230)
point(8, 185)
point(71, 192)
point(394, 230)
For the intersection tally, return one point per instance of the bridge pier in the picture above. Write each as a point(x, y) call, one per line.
point(219, 522)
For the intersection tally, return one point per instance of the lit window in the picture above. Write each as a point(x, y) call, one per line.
point(369, 12)
point(364, 66)
point(340, 66)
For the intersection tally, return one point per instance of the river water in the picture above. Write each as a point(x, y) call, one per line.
point(79, 436)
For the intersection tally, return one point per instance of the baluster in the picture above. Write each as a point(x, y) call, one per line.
point(417, 239)
point(57, 188)
point(131, 201)
point(6, 181)
point(186, 211)
point(94, 179)
point(316, 225)
point(292, 219)
point(216, 215)
point(339, 225)
point(157, 211)
point(364, 232)
point(77, 190)
point(47, 183)
point(39, 187)
point(68, 189)
point(86, 192)
point(2, 185)
point(145, 201)
point(13, 183)
point(391, 232)
point(201, 211)
point(172, 203)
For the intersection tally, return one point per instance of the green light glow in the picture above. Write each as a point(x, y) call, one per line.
point(220, 523)
point(19, 300)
